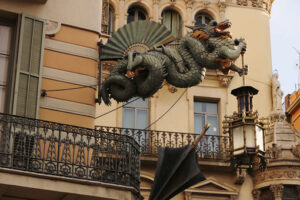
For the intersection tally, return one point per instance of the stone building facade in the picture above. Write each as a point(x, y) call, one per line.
point(209, 101)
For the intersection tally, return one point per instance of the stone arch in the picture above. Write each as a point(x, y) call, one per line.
point(175, 7)
point(209, 11)
point(143, 4)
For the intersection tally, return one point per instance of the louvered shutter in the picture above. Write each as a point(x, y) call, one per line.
point(28, 76)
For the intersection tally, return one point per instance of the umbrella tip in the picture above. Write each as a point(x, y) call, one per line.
point(207, 125)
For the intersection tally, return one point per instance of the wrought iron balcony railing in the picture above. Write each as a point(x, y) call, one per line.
point(211, 147)
point(68, 151)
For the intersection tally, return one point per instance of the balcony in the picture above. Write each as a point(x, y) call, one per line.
point(211, 147)
point(45, 149)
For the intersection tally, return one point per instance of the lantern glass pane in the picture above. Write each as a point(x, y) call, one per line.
point(260, 138)
point(250, 136)
point(238, 138)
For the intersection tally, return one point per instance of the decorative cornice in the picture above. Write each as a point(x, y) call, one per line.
point(262, 4)
point(278, 174)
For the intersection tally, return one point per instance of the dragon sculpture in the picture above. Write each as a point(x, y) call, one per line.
point(142, 70)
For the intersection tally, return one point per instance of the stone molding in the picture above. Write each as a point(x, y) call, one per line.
point(262, 4)
point(71, 49)
point(67, 106)
point(278, 174)
point(69, 77)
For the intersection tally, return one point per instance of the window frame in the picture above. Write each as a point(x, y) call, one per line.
point(13, 74)
point(135, 108)
point(203, 14)
point(9, 93)
point(214, 101)
point(137, 9)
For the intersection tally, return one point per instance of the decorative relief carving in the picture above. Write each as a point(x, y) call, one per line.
point(240, 175)
point(189, 3)
point(291, 173)
point(265, 4)
point(222, 8)
point(205, 3)
point(156, 1)
point(225, 80)
point(274, 151)
point(277, 190)
point(296, 150)
point(256, 194)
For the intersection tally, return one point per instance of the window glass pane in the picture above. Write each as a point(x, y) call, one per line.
point(199, 107)
point(141, 16)
point(214, 127)
point(141, 119)
point(212, 108)
point(202, 18)
point(199, 121)
point(130, 17)
point(36, 47)
point(26, 44)
point(128, 118)
point(138, 103)
point(5, 39)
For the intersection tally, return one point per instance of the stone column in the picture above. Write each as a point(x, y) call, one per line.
point(122, 13)
point(256, 194)
point(155, 10)
point(277, 191)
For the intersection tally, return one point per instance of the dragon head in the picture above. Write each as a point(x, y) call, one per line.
point(212, 29)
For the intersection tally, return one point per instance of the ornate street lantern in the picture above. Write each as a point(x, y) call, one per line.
point(246, 133)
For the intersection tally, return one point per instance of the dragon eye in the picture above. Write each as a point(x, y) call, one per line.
point(214, 22)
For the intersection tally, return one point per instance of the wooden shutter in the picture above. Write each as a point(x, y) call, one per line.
point(172, 20)
point(29, 62)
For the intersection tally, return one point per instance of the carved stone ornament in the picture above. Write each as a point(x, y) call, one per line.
point(256, 194)
point(52, 27)
point(277, 190)
point(277, 174)
point(225, 80)
point(205, 3)
point(274, 151)
point(189, 3)
point(240, 175)
point(296, 150)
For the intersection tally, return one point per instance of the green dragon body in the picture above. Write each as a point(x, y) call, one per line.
point(208, 46)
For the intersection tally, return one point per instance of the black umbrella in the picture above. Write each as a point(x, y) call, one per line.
point(177, 169)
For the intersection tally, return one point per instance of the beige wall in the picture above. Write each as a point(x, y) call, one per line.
point(78, 13)
point(253, 25)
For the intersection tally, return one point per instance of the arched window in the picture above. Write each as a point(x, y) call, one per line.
point(136, 13)
point(108, 18)
point(172, 20)
point(202, 18)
